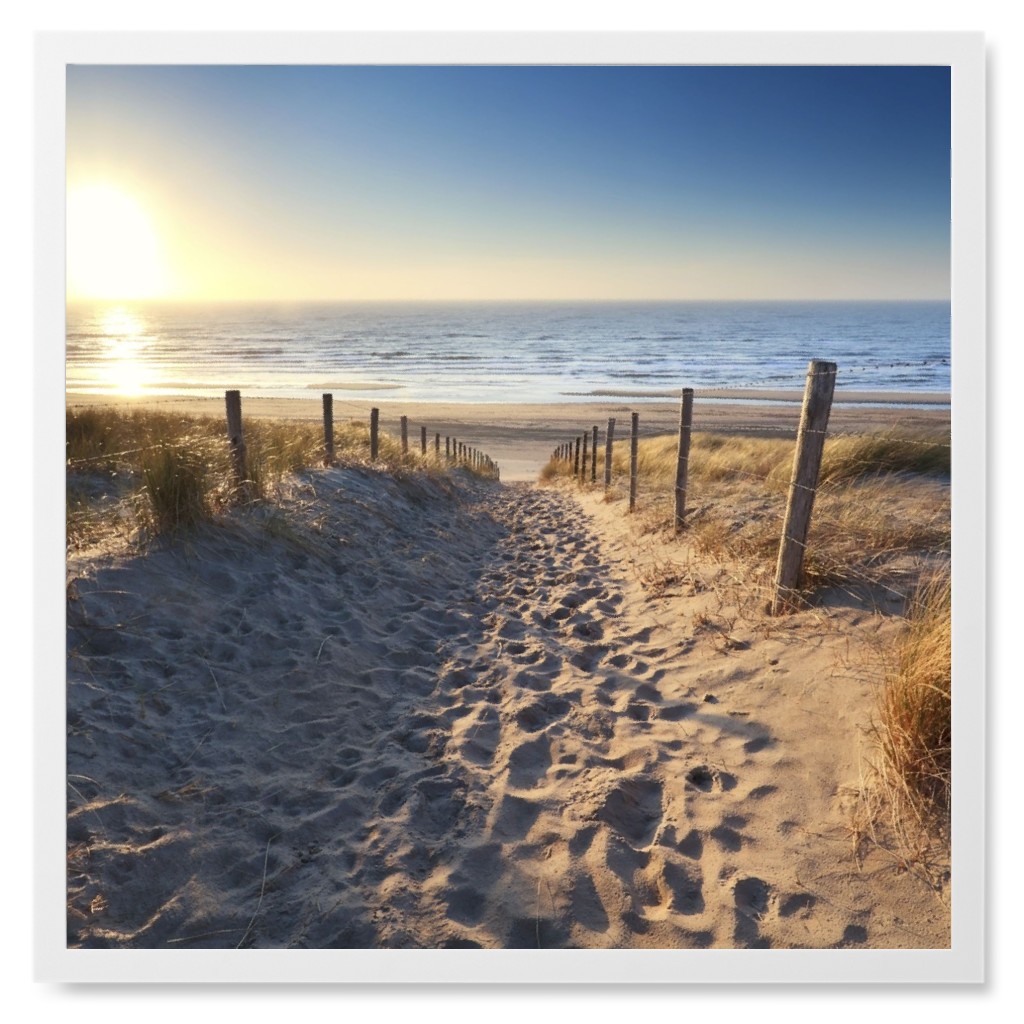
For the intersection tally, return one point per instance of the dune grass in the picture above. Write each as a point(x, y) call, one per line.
point(913, 724)
point(880, 498)
point(167, 473)
point(175, 480)
point(905, 797)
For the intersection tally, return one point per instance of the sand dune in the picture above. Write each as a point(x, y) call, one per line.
point(422, 714)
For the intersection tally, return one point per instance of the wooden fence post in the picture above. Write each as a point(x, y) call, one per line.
point(437, 446)
point(576, 461)
point(608, 454)
point(810, 443)
point(328, 428)
point(374, 434)
point(233, 403)
point(423, 440)
point(593, 458)
point(405, 434)
point(583, 461)
point(683, 460)
point(634, 437)
point(447, 448)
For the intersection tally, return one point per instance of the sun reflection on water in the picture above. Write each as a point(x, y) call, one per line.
point(125, 342)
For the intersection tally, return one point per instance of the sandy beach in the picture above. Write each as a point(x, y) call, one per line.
point(451, 713)
point(521, 437)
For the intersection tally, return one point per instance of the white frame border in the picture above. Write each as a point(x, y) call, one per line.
point(965, 960)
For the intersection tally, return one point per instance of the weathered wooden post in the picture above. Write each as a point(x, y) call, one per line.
point(810, 443)
point(608, 454)
point(328, 429)
point(634, 437)
point(576, 460)
point(683, 460)
point(583, 461)
point(593, 458)
point(447, 448)
point(233, 403)
point(437, 446)
point(423, 440)
point(405, 435)
point(374, 434)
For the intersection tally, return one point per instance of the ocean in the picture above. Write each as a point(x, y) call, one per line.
point(502, 352)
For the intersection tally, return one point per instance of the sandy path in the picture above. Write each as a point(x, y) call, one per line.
point(410, 721)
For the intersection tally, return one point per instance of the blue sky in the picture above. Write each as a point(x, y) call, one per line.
point(520, 182)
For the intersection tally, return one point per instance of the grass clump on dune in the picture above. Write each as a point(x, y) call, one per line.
point(880, 499)
point(176, 484)
point(138, 468)
point(853, 456)
point(905, 800)
point(913, 725)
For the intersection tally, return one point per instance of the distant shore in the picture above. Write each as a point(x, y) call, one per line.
point(520, 437)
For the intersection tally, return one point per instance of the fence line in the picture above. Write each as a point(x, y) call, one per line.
point(804, 484)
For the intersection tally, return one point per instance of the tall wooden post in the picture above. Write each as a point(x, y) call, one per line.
point(583, 461)
point(608, 454)
point(328, 428)
point(593, 458)
point(683, 459)
point(423, 440)
point(405, 434)
point(576, 460)
point(437, 445)
point(810, 443)
point(634, 437)
point(447, 448)
point(374, 434)
point(233, 404)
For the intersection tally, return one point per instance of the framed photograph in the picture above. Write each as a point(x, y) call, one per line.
point(509, 507)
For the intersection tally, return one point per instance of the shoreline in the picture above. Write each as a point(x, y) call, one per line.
point(521, 436)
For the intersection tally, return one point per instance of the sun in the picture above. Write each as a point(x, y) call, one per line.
point(113, 248)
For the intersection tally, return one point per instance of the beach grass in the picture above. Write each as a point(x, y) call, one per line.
point(881, 499)
point(913, 723)
point(904, 804)
point(128, 469)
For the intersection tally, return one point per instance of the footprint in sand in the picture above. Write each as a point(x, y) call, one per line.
point(751, 898)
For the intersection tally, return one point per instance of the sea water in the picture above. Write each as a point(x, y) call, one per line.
point(502, 352)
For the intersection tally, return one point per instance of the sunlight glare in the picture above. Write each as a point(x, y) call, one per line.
point(125, 340)
point(113, 250)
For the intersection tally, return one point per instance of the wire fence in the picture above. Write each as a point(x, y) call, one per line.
point(858, 552)
point(592, 460)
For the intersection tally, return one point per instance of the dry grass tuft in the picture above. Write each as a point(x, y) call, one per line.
point(176, 483)
point(882, 504)
point(855, 456)
point(166, 472)
point(913, 724)
point(903, 805)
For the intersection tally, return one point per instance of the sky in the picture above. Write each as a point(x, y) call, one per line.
point(507, 183)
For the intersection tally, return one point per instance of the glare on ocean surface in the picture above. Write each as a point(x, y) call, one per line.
point(125, 341)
